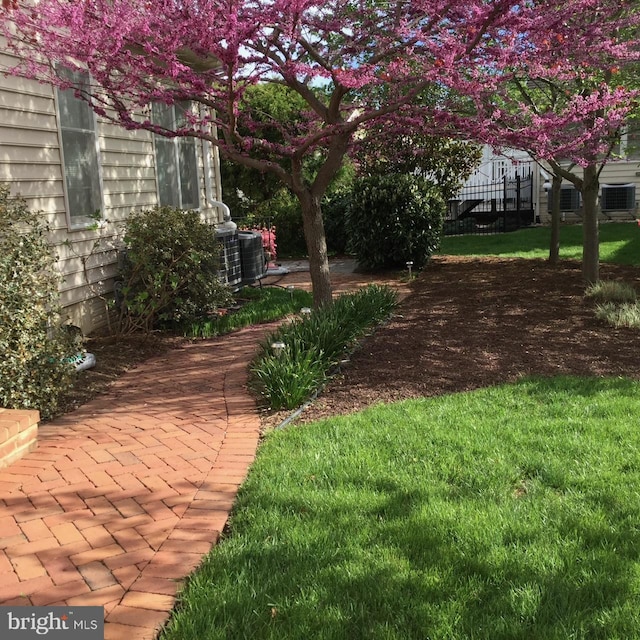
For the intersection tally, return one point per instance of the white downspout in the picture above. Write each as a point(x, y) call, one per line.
point(226, 212)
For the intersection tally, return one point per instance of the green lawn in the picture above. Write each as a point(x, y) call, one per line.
point(507, 513)
point(619, 243)
point(256, 305)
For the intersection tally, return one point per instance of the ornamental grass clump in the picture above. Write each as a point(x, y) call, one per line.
point(33, 374)
point(617, 303)
point(626, 314)
point(315, 344)
point(611, 291)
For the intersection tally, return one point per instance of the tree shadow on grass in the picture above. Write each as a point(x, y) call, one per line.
point(319, 552)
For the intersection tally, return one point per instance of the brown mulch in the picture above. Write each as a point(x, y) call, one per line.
point(114, 356)
point(471, 323)
point(463, 324)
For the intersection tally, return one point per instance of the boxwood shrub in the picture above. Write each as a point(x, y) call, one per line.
point(393, 219)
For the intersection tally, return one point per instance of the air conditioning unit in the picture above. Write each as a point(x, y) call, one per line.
point(618, 197)
point(569, 199)
point(230, 264)
point(254, 264)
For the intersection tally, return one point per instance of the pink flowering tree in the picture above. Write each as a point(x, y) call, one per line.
point(571, 116)
point(607, 123)
point(353, 62)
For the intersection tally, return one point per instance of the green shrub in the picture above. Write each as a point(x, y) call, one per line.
point(335, 210)
point(315, 344)
point(611, 291)
point(33, 346)
point(282, 212)
point(170, 270)
point(394, 219)
point(286, 217)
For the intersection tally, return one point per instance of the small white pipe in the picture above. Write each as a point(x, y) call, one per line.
point(226, 212)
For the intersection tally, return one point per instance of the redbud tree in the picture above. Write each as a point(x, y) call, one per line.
point(355, 63)
point(571, 115)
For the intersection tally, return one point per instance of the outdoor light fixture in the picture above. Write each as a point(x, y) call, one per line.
point(305, 312)
point(547, 185)
point(290, 289)
point(278, 348)
point(409, 265)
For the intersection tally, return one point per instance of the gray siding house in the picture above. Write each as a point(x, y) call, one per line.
point(87, 175)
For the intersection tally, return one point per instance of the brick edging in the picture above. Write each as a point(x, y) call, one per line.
point(18, 434)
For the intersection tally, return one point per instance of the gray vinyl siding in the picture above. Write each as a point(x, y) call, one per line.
point(31, 162)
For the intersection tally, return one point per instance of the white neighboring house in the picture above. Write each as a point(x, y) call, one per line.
point(619, 185)
point(86, 175)
point(619, 182)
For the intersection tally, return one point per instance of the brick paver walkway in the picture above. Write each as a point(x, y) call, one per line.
point(124, 496)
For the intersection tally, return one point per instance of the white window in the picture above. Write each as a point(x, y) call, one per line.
point(176, 160)
point(628, 146)
point(80, 154)
point(632, 142)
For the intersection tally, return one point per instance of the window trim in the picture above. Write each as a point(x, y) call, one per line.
point(78, 223)
point(624, 146)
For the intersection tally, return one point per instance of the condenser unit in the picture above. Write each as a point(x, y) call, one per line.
point(254, 264)
point(230, 265)
point(569, 198)
point(618, 197)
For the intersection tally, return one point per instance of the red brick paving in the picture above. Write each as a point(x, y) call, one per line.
point(124, 496)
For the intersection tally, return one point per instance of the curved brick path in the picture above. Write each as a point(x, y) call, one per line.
point(124, 496)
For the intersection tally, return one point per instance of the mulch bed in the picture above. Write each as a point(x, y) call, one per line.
point(471, 323)
point(463, 324)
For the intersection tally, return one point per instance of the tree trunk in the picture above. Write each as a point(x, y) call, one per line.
point(590, 242)
point(317, 247)
point(310, 198)
point(554, 245)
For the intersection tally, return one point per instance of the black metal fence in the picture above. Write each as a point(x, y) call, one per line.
point(496, 207)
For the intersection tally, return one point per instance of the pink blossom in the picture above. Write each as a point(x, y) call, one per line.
point(352, 64)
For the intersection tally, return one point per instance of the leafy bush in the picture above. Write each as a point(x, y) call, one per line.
point(315, 344)
point(286, 216)
point(33, 374)
point(170, 270)
point(282, 213)
point(335, 210)
point(611, 291)
point(394, 219)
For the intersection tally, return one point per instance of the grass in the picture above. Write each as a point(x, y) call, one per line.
point(315, 344)
point(619, 243)
point(502, 514)
point(611, 291)
point(626, 314)
point(258, 305)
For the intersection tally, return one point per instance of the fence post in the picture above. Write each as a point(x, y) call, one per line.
point(518, 201)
